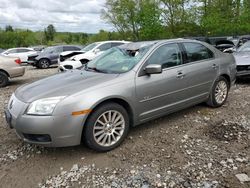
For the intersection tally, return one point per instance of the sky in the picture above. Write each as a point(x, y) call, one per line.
point(65, 15)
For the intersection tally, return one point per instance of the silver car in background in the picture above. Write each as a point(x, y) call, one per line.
point(124, 87)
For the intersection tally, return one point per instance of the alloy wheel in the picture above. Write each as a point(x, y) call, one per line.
point(109, 128)
point(221, 91)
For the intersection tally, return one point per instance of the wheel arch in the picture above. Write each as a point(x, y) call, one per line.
point(4, 71)
point(125, 104)
point(227, 77)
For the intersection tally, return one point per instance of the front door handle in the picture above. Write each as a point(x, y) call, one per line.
point(215, 66)
point(180, 74)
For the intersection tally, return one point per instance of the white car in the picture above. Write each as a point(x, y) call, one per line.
point(21, 53)
point(89, 52)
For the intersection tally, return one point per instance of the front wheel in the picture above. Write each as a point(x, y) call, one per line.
point(106, 127)
point(219, 93)
point(43, 63)
point(3, 79)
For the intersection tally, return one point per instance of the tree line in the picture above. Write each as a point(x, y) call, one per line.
point(153, 19)
point(136, 20)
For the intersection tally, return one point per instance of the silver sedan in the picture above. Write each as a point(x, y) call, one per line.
point(124, 87)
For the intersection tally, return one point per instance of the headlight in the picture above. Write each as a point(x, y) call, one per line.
point(44, 106)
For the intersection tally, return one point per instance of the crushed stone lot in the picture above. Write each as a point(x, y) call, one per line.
point(196, 147)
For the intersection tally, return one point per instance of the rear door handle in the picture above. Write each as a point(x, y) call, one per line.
point(180, 74)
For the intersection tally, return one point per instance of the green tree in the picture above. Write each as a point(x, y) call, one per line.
point(9, 28)
point(49, 33)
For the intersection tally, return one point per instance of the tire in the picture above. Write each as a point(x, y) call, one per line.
point(44, 63)
point(219, 93)
point(4, 79)
point(99, 134)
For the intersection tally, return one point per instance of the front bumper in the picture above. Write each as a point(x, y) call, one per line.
point(61, 130)
point(243, 70)
point(243, 73)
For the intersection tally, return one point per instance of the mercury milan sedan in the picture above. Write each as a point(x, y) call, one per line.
point(124, 87)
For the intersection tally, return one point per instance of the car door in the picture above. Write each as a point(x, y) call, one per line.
point(200, 69)
point(158, 94)
point(55, 54)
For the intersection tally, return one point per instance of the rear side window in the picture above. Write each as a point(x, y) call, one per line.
point(197, 52)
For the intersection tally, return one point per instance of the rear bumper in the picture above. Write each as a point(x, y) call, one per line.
point(32, 62)
point(16, 72)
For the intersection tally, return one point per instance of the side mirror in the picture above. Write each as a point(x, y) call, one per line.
point(153, 69)
point(97, 50)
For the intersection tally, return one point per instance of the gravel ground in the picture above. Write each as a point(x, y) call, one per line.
point(197, 147)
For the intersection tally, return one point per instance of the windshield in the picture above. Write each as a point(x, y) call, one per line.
point(245, 47)
point(117, 60)
point(89, 47)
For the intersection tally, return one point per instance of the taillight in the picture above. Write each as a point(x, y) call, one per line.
point(18, 61)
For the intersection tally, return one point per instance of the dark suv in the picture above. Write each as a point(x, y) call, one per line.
point(50, 55)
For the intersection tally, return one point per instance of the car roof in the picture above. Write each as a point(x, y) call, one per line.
point(20, 48)
point(141, 44)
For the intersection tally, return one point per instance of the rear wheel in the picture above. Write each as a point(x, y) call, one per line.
point(4, 79)
point(43, 63)
point(219, 93)
point(106, 127)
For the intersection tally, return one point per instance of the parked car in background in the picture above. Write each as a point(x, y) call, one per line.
point(90, 52)
point(221, 43)
point(242, 57)
point(38, 48)
point(9, 68)
point(21, 53)
point(123, 87)
point(240, 41)
point(66, 55)
point(49, 56)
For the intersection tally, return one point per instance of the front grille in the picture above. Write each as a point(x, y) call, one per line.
point(37, 137)
point(243, 68)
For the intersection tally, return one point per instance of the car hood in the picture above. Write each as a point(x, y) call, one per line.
point(71, 52)
point(62, 84)
point(87, 55)
point(242, 58)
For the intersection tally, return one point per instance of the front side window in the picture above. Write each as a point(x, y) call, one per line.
point(114, 44)
point(70, 48)
point(104, 47)
point(167, 56)
point(197, 52)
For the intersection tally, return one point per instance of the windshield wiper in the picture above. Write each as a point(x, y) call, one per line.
point(94, 69)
